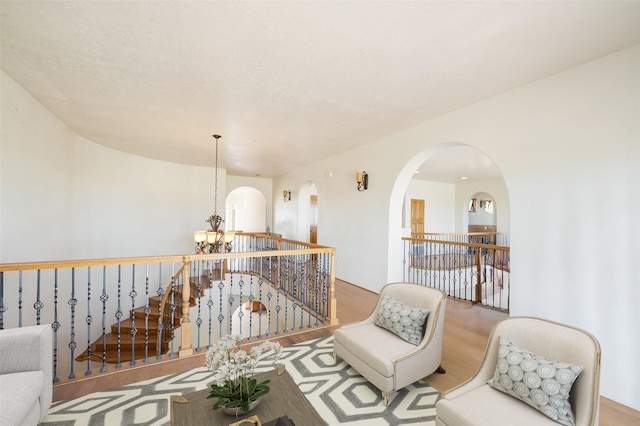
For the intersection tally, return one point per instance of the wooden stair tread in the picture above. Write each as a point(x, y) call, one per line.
point(142, 322)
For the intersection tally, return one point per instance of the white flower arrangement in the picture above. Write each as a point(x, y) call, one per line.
point(235, 386)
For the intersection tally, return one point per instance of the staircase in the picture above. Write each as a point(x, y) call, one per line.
point(138, 314)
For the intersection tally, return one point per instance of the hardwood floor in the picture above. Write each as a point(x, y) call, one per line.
point(466, 331)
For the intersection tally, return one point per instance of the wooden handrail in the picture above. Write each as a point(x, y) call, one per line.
point(458, 243)
point(461, 233)
point(61, 264)
point(285, 240)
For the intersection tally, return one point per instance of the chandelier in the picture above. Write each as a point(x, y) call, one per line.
point(214, 240)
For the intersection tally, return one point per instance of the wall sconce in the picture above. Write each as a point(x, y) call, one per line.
point(362, 179)
point(286, 195)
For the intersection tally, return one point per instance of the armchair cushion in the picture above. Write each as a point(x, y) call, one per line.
point(402, 319)
point(388, 347)
point(541, 383)
point(485, 406)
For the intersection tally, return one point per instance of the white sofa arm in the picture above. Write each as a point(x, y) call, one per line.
point(29, 349)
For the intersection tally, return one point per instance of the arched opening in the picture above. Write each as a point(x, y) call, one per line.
point(246, 210)
point(480, 217)
point(446, 177)
point(308, 204)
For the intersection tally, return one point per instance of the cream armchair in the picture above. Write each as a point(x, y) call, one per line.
point(26, 374)
point(382, 357)
point(477, 403)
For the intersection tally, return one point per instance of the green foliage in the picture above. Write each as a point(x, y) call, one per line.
point(238, 394)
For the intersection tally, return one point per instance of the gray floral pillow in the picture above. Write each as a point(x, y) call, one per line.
point(541, 383)
point(402, 319)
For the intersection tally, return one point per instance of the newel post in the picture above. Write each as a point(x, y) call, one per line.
point(479, 282)
point(185, 341)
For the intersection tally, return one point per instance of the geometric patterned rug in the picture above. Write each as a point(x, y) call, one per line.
point(339, 394)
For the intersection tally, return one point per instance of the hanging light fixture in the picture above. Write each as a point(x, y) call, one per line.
point(214, 240)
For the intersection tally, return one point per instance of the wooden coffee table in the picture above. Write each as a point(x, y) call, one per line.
point(283, 399)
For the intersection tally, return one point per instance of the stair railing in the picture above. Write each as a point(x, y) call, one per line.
point(86, 302)
point(461, 265)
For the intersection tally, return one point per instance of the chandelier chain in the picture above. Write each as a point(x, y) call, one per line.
point(215, 197)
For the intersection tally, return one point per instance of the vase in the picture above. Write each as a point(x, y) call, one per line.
point(237, 411)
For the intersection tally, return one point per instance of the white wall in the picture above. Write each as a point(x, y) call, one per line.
point(64, 197)
point(572, 140)
point(439, 204)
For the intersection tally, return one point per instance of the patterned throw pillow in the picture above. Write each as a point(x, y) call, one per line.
point(541, 383)
point(401, 319)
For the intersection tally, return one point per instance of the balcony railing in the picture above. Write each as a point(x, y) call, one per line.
point(464, 266)
point(107, 312)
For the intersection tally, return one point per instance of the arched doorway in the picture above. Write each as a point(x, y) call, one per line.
point(308, 203)
point(460, 188)
point(480, 217)
point(444, 176)
point(246, 210)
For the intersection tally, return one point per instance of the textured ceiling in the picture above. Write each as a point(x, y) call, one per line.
point(287, 82)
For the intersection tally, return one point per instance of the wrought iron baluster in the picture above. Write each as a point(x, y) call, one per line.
point(161, 334)
point(103, 298)
point(220, 301)
point(55, 326)
point(147, 311)
point(210, 303)
point(89, 320)
point(269, 293)
point(278, 309)
point(326, 289)
point(301, 287)
point(230, 300)
point(20, 299)
point(133, 294)
point(72, 302)
point(309, 284)
point(119, 317)
point(432, 266)
point(466, 269)
point(405, 251)
point(172, 311)
point(260, 284)
point(287, 273)
point(251, 298)
point(455, 267)
point(319, 277)
point(38, 305)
